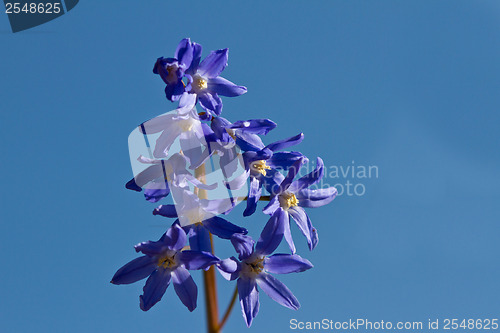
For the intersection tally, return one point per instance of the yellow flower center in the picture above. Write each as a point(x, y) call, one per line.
point(167, 261)
point(288, 200)
point(260, 167)
point(256, 266)
point(199, 83)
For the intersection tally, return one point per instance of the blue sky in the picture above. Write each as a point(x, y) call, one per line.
point(408, 86)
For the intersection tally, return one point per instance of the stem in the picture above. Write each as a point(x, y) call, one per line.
point(229, 308)
point(209, 278)
point(262, 198)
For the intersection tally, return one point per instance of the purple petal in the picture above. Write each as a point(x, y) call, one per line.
point(225, 87)
point(284, 160)
point(165, 140)
point(272, 234)
point(238, 182)
point(213, 64)
point(282, 144)
point(157, 124)
point(222, 228)
point(186, 103)
point(303, 222)
point(248, 141)
point(229, 268)
point(197, 260)
point(151, 173)
point(199, 238)
point(184, 53)
point(288, 235)
point(243, 245)
point(132, 185)
point(155, 191)
point(166, 210)
point(311, 178)
point(277, 291)
point(185, 287)
point(249, 299)
point(272, 206)
point(292, 172)
point(255, 126)
point(174, 91)
point(197, 49)
point(136, 270)
point(253, 196)
point(155, 288)
point(286, 263)
point(151, 248)
point(176, 237)
point(316, 198)
point(210, 102)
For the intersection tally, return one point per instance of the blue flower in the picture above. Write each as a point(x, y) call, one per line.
point(199, 217)
point(254, 267)
point(205, 82)
point(165, 261)
point(289, 198)
point(172, 70)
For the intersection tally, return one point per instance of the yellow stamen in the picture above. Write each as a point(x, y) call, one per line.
point(261, 167)
point(167, 261)
point(257, 266)
point(200, 83)
point(288, 200)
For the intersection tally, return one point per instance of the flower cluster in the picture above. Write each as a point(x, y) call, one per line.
point(207, 141)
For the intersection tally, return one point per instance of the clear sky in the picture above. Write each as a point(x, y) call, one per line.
point(411, 87)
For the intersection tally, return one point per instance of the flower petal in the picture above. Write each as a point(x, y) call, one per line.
point(243, 245)
point(286, 263)
point(225, 87)
point(176, 237)
point(166, 210)
point(316, 198)
point(282, 144)
point(186, 103)
point(277, 291)
point(272, 234)
point(197, 49)
point(272, 206)
point(253, 196)
point(155, 288)
point(199, 238)
point(213, 64)
point(222, 228)
point(185, 287)
point(155, 191)
point(248, 141)
point(151, 248)
point(284, 160)
point(288, 235)
point(184, 53)
point(136, 270)
point(210, 102)
point(292, 172)
point(229, 268)
point(303, 222)
point(255, 126)
point(249, 299)
point(197, 260)
point(310, 179)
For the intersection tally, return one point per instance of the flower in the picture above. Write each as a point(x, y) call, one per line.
point(155, 179)
point(254, 267)
point(262, 164)
point(199, 217)
point(165, 261)
point(205, 82)
point(290, 197)
point(172, 70)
